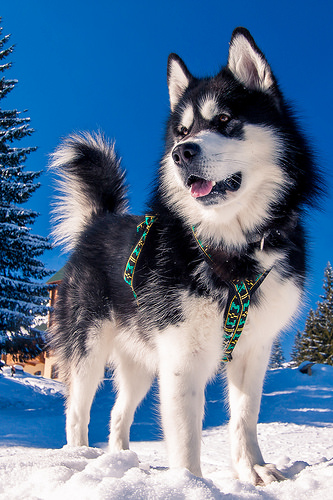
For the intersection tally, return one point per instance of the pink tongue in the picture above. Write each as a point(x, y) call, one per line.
point(201, 188)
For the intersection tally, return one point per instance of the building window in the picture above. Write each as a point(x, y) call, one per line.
point(54, 371)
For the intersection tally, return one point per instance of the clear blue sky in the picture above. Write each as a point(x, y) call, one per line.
point(86, 65)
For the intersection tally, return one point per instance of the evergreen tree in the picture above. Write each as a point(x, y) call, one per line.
point(316, 342)
point(296, 347)
point(22, 298)
point(277, 358)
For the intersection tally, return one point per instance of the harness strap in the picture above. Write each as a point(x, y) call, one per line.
point(144, 226)
point(240, 291)
point(239, 298)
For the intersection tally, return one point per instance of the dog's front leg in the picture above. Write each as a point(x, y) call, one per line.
point(183, 374)
point(182, 405)
point(246, 373)
point(245, 379)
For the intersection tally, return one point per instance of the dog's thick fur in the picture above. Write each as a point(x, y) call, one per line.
point(236, 169)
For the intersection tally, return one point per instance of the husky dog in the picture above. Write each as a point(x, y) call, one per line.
point(208, 276)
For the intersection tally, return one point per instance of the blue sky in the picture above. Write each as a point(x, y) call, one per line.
point(85, 65)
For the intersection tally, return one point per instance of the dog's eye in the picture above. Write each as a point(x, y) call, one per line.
point(183, 130)
point(224, 118)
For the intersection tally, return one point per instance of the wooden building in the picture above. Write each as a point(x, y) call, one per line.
point(44, 364)
point(50, 365)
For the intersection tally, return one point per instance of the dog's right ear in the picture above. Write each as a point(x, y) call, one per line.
point(247, 63)
point(179, 79)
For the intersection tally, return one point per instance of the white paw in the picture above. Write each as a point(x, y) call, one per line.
point(266, 474)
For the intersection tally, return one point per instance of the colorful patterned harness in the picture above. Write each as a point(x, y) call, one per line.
point(144, 226)
point(240, 291)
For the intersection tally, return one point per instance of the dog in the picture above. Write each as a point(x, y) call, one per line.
point(207, 277)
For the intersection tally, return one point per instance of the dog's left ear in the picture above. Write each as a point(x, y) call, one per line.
point(179, 79)
point(248, 63)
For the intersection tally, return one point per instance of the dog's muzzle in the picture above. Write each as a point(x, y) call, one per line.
point(187, 157)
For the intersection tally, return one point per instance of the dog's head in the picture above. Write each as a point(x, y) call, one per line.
point(226, 144)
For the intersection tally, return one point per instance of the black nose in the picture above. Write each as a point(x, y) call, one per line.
point(184, 153)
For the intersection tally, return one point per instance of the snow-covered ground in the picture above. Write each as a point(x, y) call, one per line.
point(295, 432)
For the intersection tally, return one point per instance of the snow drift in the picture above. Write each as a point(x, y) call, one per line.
point(295, 432)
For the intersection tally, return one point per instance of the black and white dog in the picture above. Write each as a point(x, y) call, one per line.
point(210, 274)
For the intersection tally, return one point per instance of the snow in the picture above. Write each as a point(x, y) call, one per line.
point(295, 432)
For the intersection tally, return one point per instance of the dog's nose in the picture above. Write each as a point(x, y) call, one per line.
point(184, 153)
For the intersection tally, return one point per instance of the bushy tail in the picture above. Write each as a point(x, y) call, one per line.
point(90, 181)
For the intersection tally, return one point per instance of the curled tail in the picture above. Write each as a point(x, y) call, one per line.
point(90, 181)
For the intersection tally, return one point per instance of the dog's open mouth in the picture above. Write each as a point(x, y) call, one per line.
point(201, 187)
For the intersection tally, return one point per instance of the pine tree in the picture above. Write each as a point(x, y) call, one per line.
point(316, 342)
point(277, 358)
point(296, 347)
point(22, 298)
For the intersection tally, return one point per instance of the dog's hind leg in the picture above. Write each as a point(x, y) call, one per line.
point(82, 389)
point(83, 380)
point(132, 382)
